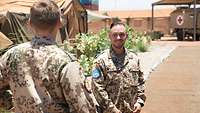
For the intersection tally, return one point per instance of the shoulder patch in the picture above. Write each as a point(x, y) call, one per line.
point(96, 73)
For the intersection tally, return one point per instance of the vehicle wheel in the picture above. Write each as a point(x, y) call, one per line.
point(179, 33)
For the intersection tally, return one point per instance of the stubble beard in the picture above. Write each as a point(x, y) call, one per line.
point(118, 46)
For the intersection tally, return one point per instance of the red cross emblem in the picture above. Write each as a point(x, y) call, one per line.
point(179, 20)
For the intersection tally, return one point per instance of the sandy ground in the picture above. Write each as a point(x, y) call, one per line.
point(173, 86)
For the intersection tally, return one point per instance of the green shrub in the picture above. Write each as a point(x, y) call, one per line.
point(137, 41)
point(156, 35)
point(141, 45)
point(87, 46)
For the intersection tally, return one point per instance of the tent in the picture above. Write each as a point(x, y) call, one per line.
point(15, 13)
point(4, 41)
point(93, 16)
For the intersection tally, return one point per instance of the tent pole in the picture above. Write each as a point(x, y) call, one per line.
point(152, 18)
point(195, 20)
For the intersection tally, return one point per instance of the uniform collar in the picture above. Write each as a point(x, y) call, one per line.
point(111, 52)
point(42, 41)
point(127, 57)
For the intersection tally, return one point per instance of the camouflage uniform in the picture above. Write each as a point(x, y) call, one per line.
point(44, 79)
point(5, 94)
point(118, 82)
point(6, 100)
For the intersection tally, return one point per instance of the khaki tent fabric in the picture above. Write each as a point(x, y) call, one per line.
point(14, 15)
point(94, 16)
point(4, 41)
point(175, 2)
point(16, 5)
point(23, 6)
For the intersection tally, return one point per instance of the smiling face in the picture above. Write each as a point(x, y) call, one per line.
point(118, 36)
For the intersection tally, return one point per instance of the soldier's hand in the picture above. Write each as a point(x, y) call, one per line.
point(88, 84)
point(137, 108)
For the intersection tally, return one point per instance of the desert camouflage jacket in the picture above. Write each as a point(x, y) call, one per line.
point(118, 86)
point(43, 79)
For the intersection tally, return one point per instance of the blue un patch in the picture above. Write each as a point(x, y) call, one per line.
point(96, 73)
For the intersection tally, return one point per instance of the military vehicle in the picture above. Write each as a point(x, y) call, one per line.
point(181, 22)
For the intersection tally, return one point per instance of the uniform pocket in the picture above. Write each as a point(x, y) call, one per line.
point(134, 75)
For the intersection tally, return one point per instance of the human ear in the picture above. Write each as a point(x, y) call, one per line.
point(30, 26)
point(59, 23)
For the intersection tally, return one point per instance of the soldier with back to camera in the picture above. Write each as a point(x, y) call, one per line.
point(42, 77)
